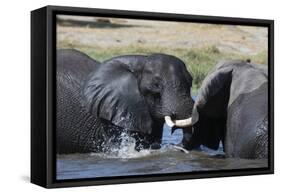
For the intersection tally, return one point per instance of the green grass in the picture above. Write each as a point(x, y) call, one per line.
point(199, 61)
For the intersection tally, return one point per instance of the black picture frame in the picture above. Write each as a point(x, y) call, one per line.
point(43, 95)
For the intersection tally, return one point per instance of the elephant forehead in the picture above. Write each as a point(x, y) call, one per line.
point(244, 82)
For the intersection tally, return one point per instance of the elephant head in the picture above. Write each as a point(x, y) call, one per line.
point(136, 92)
point(231, 107)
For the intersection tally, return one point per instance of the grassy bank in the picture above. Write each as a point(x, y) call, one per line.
point(199, 61)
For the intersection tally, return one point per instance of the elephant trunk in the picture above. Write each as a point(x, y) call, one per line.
point(179, 108)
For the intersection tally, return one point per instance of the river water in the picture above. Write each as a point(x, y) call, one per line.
point(169, 159)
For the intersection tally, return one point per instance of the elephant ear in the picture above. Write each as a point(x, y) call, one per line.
point(112, 93)
point(210, 108)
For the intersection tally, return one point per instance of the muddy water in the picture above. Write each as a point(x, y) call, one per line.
point(126, 161)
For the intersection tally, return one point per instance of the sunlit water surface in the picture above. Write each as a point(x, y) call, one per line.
point(125, 160)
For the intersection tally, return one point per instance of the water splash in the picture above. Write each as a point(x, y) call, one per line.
point(124, 149)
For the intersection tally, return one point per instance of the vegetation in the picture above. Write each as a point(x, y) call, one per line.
point(199, 61)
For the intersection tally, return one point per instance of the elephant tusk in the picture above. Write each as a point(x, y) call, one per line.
point(169, 121)
point(178, 123)
point(183, 123)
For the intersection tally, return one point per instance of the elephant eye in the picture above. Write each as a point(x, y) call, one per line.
point(156, 82)
point(151, 86)
point(155, 87)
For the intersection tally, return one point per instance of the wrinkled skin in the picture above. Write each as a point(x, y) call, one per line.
point(129, 94)
point(70, 114)
point(232, 107)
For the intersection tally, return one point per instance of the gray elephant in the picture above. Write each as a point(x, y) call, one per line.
point(231, 107)
point(130, 94)
point(73, 67)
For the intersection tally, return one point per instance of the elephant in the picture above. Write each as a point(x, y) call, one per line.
point(99, 102)
point(232, 108)
point(72, 68)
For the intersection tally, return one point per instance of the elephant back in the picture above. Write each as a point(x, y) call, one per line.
point(75, 65)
